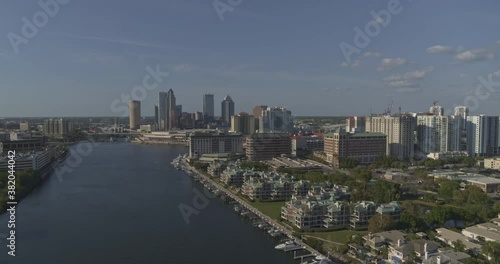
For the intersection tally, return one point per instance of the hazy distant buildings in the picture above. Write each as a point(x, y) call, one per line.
point(356, 123)
point(400, 131)
point(156, 116)
point(227, 109)
point(438, 133)
point(276, 119)
point(266, 146)
point(208, 108)
point(24, 126)
point(167, 117)
point(483, 135)
point(56, 128)
point(135, 114)
point(243, 123)
point(364, 147)
point(214, 143)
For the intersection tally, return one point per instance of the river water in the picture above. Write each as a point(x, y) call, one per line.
point(121, 205)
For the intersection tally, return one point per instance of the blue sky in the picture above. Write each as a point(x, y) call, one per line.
point(288, 53)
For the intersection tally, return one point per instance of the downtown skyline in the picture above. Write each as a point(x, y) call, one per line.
point(261, 53)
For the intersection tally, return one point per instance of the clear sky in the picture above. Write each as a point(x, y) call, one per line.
point(281, 52)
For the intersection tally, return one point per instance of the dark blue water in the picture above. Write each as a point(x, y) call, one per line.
point(121, 205)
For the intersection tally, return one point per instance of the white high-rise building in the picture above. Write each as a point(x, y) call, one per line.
point(437, 133)
point(437, 110)
point(276, 119)
point(462, 112)
point(400, 131)
point(483, 135)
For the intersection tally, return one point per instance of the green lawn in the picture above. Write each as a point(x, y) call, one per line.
point(341, 236)
point(271, 209)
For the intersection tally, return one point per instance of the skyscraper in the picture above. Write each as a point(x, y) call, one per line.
point(483, 135)
point(276, 119)
point(436, 110)
point(436, 133)
point(166, 111)
point(227, 109)
point(156, 116)
point(462, 112)
point(257, 113)
point(135, 114)
point(208, 107)
point(172, 116)
point(243, 123)
point(399, 130)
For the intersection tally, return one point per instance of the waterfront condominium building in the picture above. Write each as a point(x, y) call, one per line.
point(276, 119)
point(208, 108)
point(437, 133)
point(483, 135)
point(356, 123)
point(365, 147)
point(135, 114)
point(243, 123)
point(167, 117)
point(400, 131)
point(266, 146)
point(214, 143)
point(227, 109)
point(56, 128)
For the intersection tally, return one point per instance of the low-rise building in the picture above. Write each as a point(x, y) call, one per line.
point(449, 237)
point(21, 146)
point(492, 163)
point(361, 213)
point(447, 155)
point(392, 209)
point(488, 231)
point(217, 142)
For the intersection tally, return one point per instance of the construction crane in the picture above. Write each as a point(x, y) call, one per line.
point(435, 102)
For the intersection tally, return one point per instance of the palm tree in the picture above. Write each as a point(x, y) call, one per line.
point(492, 251)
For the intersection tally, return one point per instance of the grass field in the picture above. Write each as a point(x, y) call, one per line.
point(271, 209)
point(341, 236)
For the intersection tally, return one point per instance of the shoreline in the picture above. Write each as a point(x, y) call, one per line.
point(284, 229)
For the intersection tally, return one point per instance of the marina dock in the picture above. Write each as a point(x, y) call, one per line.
point(271, 222)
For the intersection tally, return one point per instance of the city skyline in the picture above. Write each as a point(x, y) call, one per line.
point(442, 64)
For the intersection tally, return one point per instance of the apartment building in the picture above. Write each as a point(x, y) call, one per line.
point(214, 142)
point(266, 146)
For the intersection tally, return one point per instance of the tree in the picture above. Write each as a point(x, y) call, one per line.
point(458, 245)
point(349, 163)
point(379, 222)
point(492, 251)
point(446, 188)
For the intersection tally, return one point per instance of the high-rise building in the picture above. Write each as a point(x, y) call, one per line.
point(436, 110)
point(266, 146)
point(156, 116)
point(172, 116)
point(56, 128)
point(208, 108)
point(364, 147)
point(356, 123)
point(400, 131)
point(257, 113)
point(276, 119)
point(135, 114)
point(227, 109)
point(462, 112)
point(483, 135)
point(167, 117)
point(243, 123)
point(438, 133)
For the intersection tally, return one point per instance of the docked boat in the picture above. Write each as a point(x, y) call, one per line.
point(320, 259)
point(288, 245)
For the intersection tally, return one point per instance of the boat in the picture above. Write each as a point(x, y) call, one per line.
point(288, 246)
point(320, 259)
